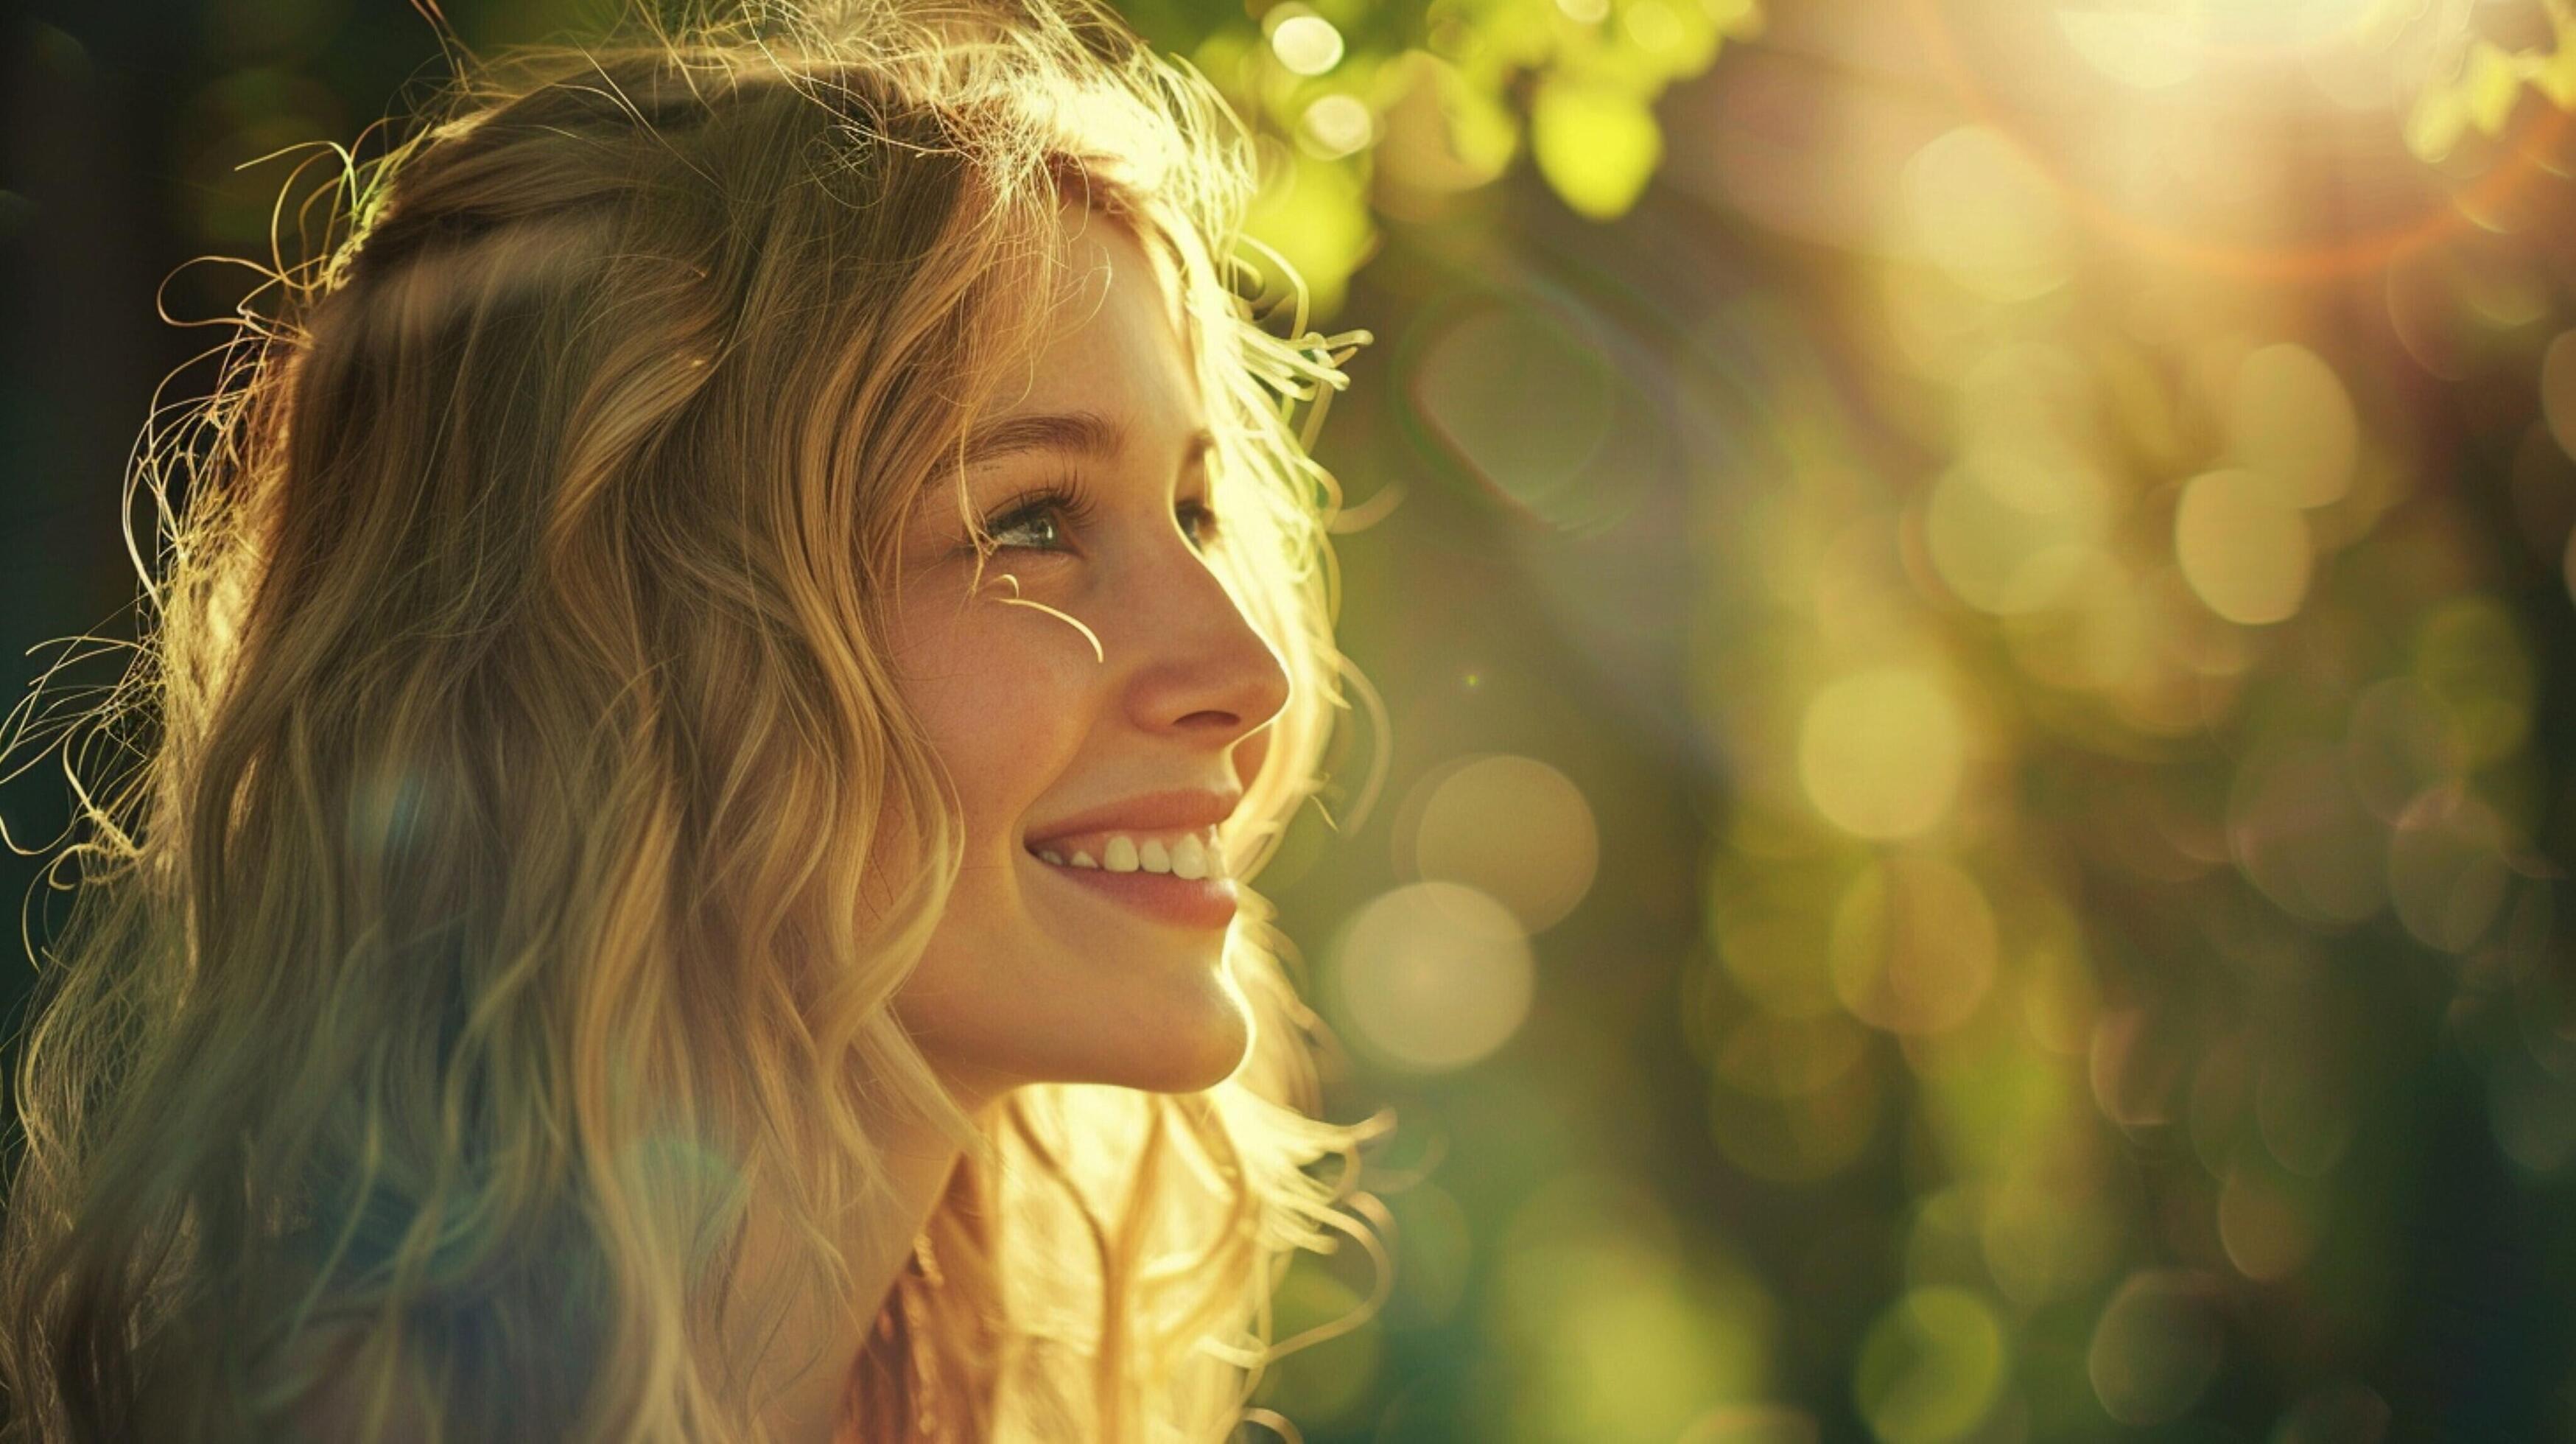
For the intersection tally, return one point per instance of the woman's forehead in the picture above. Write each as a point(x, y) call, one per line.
point(1118, 335)
point(1116, 353)
point(1096, 245)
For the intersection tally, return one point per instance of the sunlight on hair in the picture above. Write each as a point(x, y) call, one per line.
point(1098, 654)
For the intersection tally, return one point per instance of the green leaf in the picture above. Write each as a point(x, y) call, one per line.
point(1598, 146)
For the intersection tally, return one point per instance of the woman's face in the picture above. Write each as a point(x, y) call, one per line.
point(1043, 969)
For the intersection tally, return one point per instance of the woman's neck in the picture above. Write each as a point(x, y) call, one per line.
point(805, 1407)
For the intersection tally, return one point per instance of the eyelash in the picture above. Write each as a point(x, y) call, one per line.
point(1069, 502)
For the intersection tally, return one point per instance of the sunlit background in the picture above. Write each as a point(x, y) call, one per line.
point(1972, 601)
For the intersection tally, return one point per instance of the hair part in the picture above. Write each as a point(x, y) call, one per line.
point(524, 801)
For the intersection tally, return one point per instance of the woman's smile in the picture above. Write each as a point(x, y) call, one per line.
point(1205, 903)
point(1160, 854)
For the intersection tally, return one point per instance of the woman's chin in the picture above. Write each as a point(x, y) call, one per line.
point(1191, 1043)
point(1192, 1071)
point(1180, 1054)
point(1184, 1043)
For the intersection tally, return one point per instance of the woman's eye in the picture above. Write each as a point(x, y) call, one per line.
point(1043, 524)
point(1041, 520)
point(1037, 528)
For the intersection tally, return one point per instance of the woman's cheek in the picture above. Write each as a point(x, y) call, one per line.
point(1020, 697)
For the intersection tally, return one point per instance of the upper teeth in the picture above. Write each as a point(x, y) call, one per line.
point(1181, 854)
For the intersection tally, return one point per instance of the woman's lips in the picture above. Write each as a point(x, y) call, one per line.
point(1204, 903)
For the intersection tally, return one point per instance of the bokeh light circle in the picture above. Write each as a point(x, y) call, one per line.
point(2138, 1064)
point(1433, 976)
point(2143, 50)
point(1977, 208)
point(2558, 390)
point(1914, 946)
point(2532, 1112)
point(2470, 655)
point(2155, 1347)
point(1511, 827)
point(2398, 744)
point(1930, 1367)
point(2264, 1230)
point(2043, 1243)
point(1524, 399)
point(1304, 41)
point(1587, 1285)
point(2290, 419)
point(1336, 126)
point(1881, 752)
point(2243, 546)
point(2305, 837)
point(2446, 868)
point(2303, 1107)
point(1997, 552)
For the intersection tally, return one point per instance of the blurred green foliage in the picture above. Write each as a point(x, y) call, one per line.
point(1365, 110)
point(2123, 551)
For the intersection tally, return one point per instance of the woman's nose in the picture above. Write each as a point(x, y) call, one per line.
point(1203, 670)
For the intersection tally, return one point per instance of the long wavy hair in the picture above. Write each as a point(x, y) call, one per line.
point(496, 865)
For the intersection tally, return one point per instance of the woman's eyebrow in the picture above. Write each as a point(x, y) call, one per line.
point(1080, 433)
point(1083, 433)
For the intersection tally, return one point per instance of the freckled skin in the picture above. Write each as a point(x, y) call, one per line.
point(1030, 978)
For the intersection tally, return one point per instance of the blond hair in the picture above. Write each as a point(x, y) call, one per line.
point(520, 806)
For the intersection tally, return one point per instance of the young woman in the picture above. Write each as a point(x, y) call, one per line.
point(732, 641)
